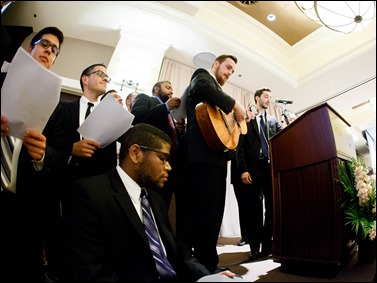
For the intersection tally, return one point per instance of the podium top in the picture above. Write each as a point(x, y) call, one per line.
point(318, 134)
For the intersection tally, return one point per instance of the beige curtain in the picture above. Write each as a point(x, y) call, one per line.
point(179, 75)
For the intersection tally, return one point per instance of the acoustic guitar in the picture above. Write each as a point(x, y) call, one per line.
point(220, 131)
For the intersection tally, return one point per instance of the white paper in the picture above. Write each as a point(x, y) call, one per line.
point(180, 113)
point(29, 95)
point(107, 122)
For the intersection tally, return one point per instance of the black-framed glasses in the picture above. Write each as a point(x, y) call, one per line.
point(166, 156)
point(46, 44)
point(101, 74)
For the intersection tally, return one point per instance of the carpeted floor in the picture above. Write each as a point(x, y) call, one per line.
point(266, 270)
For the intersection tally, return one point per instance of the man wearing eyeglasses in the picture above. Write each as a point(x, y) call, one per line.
point(108, 228)
point(86, 156)
point(155, 110)
point(29, 201)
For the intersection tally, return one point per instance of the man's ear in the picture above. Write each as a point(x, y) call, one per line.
point(135, 153)
point(30, 48)
point(156, 89)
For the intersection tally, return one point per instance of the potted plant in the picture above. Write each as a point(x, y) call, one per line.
point(359, 202)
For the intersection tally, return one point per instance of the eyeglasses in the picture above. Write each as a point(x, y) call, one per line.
point(46, 44)
point(101, 74)
point(165, 157)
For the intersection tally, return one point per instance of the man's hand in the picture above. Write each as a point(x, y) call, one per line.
point(84, 148)
point(180, 127)
point(173, 102)
point(4, 126)
point(228, 273)
point(246, 178)
point(35, 143)
point(249, 115)
point(239, 111)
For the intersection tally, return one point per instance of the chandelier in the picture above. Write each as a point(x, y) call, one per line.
point(341, 16)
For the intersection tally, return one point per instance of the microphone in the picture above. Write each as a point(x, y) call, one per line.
point(285, 101)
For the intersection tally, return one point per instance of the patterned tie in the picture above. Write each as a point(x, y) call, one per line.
point(7, 146)
point(162, 264)
point(262, 136)
point(88, 110)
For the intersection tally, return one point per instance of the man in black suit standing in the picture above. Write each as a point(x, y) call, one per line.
point(106, 228)
point(206, 168)
point(87, 158)
point(254, 169)
point(155, 110)
point(29, 201)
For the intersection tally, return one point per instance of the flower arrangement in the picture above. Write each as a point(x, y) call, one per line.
point(360, 197)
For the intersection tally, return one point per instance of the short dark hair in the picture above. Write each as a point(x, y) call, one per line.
point(259, 92)
point(223, 57)
point(142, 134)
point(107, 92)
point(131, 94)
point(88, 70)
point(159, 85)
point(48, 30)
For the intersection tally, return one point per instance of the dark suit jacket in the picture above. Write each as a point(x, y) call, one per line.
point(29, 181)
point(35, 206)
point(249, 145)
point(106, 240)
point(150, 111)
point(203, 87)
point(79, 167)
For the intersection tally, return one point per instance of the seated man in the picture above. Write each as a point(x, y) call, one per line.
point(108, 228)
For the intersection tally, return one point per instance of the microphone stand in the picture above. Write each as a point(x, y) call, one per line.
point(284, 115)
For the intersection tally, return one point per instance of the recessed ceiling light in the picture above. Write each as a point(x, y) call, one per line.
point(271, 17)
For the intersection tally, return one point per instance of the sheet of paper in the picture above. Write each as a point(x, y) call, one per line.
point(180, 113)
point(107, 122)
point(29, 94)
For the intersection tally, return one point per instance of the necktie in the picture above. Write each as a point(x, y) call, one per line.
point(173, 132)
point(10, 151)
point(262, 136)
point(7, 147)
point(88, 110)
point(162, 264)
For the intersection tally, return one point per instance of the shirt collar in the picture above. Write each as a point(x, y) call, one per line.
point(132, 187)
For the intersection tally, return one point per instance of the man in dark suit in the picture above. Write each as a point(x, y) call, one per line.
point(206, 168)
point(30, 205)
point(254, 169)
point(87, 158)
point(155, 110)
point(106, 240)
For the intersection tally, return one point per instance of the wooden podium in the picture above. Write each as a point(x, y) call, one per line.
point(308, 222)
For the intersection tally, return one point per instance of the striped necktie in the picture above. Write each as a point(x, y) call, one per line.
point(163, 266)
point(10, 151)
point(262, 136)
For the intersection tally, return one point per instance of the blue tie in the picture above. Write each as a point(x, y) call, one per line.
point(262, 136)
point(162, 264)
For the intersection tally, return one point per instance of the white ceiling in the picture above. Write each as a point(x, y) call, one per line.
point(324, 66)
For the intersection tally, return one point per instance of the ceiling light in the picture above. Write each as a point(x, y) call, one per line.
point(271, 17)
point(341, 16)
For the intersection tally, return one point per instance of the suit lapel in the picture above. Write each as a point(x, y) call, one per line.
point(125, 203)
